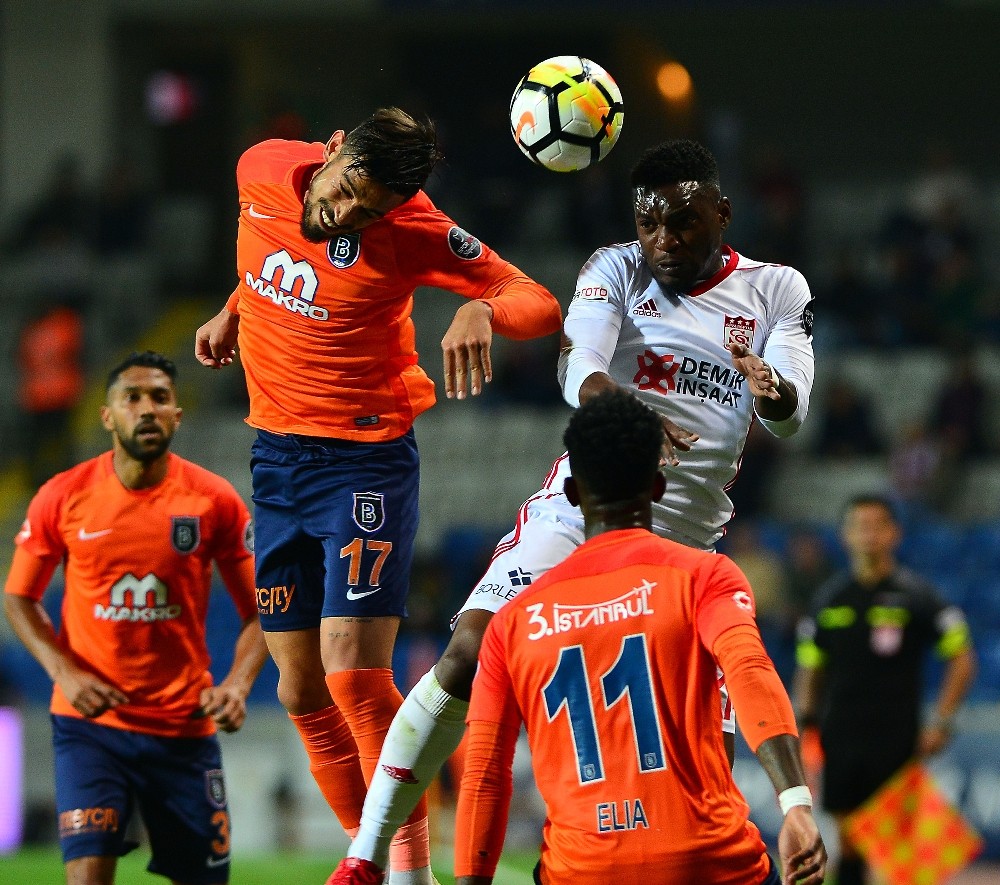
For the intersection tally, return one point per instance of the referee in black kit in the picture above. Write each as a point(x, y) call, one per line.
point(860, 667)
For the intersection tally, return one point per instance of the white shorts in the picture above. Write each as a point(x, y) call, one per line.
point(542, 539)
point(539, 541)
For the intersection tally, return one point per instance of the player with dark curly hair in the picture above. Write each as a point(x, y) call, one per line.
point(616, 648)
point(333, 241)
point(709, 340)
point(621, 471)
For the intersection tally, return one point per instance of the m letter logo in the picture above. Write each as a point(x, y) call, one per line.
point(147, 592)
point(290, 272)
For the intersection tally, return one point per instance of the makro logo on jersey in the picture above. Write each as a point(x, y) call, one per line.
point(294, 275)
point(565, 618)
point(667, 373)
point(138, 599)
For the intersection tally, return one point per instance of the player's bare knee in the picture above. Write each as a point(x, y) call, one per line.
point(299, 695)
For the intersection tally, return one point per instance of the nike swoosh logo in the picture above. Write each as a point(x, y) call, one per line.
point(352, 595)
point(89, 536)
point(255, 214)
point(217, 861)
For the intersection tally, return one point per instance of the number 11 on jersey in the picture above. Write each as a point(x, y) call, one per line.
point(569, 688)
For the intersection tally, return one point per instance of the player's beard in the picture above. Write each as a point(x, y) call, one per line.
point(311, 232)
point(144, 451)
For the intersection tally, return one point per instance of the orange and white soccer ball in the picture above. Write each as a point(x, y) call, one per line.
point(566, 113)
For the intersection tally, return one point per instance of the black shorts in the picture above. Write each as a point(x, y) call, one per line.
point(853, 772)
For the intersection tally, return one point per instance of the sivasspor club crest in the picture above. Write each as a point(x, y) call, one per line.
point(369, 510)
point(185, 533)
point(739, 330)
point(215, 788)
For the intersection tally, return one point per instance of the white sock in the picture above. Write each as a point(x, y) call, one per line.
point(424, 733)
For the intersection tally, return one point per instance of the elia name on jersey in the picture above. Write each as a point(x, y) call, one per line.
point(565, 618)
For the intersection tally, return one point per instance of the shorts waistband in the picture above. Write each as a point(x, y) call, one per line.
point(297, 442)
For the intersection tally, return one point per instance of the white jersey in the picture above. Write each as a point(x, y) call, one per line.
point(670, 350)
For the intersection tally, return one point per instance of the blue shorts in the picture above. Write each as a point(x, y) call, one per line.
point(102, 773)
point(334, 523)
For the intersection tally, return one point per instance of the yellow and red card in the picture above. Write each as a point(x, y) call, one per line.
point(910, 834)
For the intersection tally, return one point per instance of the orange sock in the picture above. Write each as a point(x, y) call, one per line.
point(334, 764)
point(368, 700)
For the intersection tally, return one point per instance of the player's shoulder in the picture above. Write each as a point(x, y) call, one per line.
point(624, 256)
point(612, 272)
point(767, 271)
point(418, 219)
point(74, 480)
point(276, 160)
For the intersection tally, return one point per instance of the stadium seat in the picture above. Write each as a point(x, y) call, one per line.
point(930, 546)
point(987, 684)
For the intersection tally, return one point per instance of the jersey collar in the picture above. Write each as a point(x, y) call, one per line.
point(730, 259)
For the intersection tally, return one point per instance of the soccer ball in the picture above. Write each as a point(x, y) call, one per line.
point(566, 113)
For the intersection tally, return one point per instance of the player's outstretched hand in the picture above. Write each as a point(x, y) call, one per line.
point(675, 437)
point(759, 374)
point(803, 854)
point(215, 342)
point(226, 705)
point(466, 348)
point(89, 695)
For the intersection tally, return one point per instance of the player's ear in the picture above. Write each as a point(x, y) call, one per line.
point(334, 144)
point(106, 418)
point(659, 486)
point(571, 491)
point(725, 212)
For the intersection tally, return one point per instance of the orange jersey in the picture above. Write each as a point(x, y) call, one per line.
point(606, 660)
point(138, 569)
point(326, 337)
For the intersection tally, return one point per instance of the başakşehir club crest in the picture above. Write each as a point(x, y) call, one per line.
point(185, 533)
point(739, 330)
point(215, 788)
point(344, 250)
point(369, 510)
